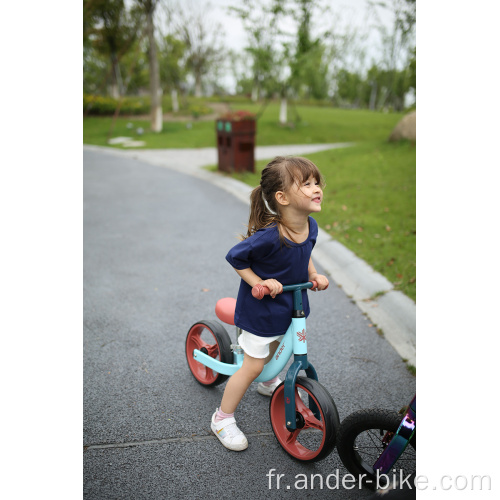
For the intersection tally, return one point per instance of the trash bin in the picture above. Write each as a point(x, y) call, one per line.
point(236, 142)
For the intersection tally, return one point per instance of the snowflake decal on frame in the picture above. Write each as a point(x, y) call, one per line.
point(302, 336)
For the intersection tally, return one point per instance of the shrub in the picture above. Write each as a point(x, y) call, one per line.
point(105, 106)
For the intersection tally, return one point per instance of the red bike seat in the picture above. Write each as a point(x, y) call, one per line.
point(225, 310)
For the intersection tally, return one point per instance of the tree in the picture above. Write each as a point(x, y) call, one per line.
point(349, 88)
point(398, 45)
point(149, 7)
point(308, 70)
point(109, 29)
point(260, 24)
point(172, 72)
point(203, 43)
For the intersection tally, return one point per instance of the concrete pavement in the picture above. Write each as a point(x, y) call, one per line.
point(392, 311)
point(153, 247)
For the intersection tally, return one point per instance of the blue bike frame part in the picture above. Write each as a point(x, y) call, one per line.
point(271, 369)
point(300, 362)
point(284, 351)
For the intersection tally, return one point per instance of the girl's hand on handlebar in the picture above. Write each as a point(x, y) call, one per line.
point(321, 280)
point(275, 287)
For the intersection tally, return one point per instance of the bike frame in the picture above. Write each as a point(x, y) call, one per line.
point(399, 441)
point(294, 342)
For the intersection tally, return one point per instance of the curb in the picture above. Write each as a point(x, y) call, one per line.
point(390, 310)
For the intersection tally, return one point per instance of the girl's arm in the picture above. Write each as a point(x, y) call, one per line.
point(319, 278)
point(247, 275)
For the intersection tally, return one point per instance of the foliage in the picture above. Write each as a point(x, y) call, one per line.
point(260, 22)
point(96, 105)
point(203, 44)
point(309, 71)
point(110, 30)
point(172, 71)
point(106, 106)
point(349, 88)
point(197, 110)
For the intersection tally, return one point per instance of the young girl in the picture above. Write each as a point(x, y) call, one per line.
point(276, 251)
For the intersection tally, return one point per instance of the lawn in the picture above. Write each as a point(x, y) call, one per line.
point(311, 125)
point(369, 202)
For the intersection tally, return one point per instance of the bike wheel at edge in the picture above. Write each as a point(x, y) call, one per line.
point(212, 339)
point(314, 438)
point(361, 440)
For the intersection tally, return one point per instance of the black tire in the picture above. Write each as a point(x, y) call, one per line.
point(213, 339)
point(319, 438)
point(359, 444)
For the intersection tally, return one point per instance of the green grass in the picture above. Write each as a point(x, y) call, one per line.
point(316, 125)
point(369, 202)
point(321, 125)
point(174, 134)
point(369, 205)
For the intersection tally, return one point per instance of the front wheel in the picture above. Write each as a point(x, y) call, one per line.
point(316, 418)
point(363, 436)
point(212, 339)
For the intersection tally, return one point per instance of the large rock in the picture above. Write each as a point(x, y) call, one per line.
point(406, 128)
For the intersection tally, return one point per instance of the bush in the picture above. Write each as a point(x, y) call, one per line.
point(106, 106)
point(197, 110)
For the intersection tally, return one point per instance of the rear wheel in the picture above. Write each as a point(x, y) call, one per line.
point(364, 435)
point(316, 418)
point(212, 339)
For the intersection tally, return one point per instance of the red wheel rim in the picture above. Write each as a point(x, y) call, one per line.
point(194, 340)
point(303, 443)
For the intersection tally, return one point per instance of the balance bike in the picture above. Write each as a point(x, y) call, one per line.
point(303, 415)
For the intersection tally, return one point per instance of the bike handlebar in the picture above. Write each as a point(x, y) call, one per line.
point(258, 291)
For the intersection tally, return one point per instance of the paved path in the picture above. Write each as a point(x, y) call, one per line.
point(154, 247)
point(392, 311)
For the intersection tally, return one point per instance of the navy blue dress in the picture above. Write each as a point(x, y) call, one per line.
point(269, 258)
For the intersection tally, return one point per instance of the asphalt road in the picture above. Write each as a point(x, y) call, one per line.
point(154, 246)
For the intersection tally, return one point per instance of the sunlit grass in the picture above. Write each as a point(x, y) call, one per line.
point(307, 125)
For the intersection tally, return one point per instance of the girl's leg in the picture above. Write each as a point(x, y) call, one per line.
point(267, 388)
point(238, 384)
point(272, 349)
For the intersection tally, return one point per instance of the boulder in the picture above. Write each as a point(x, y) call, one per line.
point(406, 128)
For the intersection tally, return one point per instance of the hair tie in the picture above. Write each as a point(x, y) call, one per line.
point(268, 208)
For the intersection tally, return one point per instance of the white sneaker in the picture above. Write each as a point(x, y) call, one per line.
point(267, 390)
point(228, 433)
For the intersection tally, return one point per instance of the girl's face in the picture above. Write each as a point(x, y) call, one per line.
point(306, 196)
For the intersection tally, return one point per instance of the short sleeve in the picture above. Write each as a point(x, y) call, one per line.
point(252, 249)
point(240, 255)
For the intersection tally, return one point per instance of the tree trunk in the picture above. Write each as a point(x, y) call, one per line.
point(154, 76)
point(255, 93)
point(373, 96)
point(175, 100)
point(197, 86)
point(115, 86)
point(283, 111)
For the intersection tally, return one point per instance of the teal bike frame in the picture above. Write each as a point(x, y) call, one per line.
point(294, 342)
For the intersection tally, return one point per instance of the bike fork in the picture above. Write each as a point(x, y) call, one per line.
point(300, 363)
